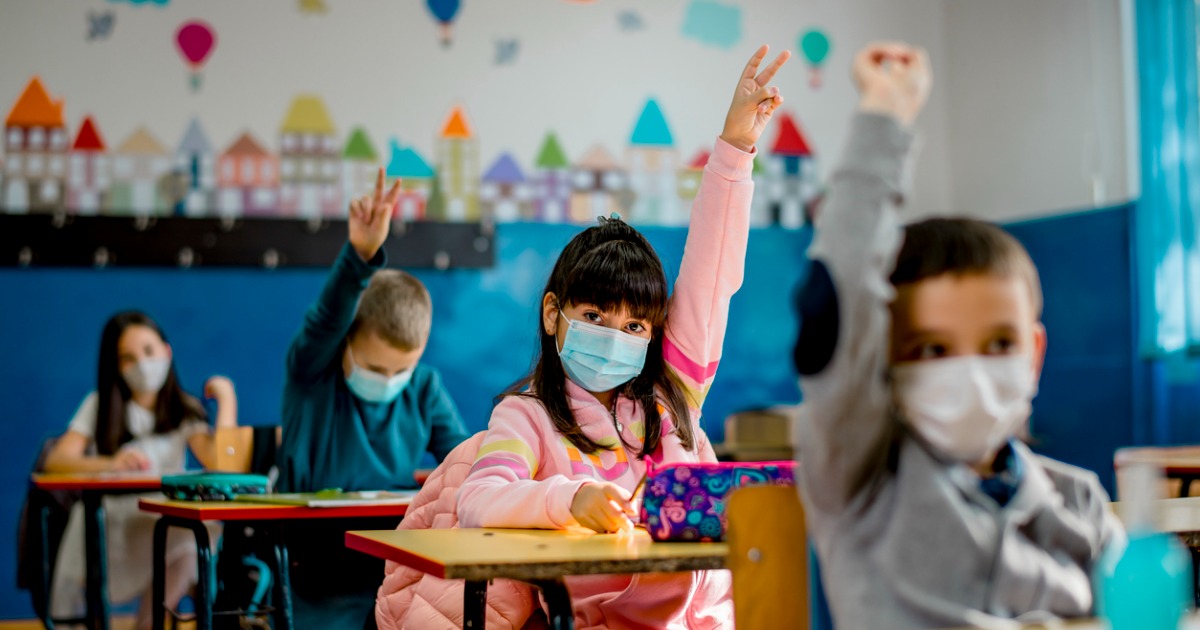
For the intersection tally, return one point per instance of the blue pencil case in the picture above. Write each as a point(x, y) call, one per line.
point(212, 486)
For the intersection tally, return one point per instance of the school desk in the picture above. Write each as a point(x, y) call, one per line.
point(1177, 462)
point(537, 556)
point(268, 517)
point(93, 487)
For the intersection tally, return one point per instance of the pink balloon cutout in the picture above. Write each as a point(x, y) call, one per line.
point(195, 41)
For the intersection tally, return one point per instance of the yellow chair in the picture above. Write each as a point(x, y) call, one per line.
point(235, 445)
point(768, 556)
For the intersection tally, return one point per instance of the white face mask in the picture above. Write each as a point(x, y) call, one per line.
point(965, 407)
point(148, 375)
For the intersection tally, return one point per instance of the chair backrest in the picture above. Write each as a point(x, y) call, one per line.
point(236, 448)
point(768, 556)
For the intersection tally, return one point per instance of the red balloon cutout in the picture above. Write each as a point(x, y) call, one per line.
point(196, 41)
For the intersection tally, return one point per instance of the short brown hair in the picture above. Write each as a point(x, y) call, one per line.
point(396, 306)
point(964, 247)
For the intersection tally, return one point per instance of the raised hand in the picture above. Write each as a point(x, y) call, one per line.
point(753, 102)
point(370, 218)
point(602, 507)
point(894, 80)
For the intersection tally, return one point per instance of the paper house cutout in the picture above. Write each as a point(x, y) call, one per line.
point(599, 186)
point(194, 163)
point(310, 162)
point(652, 163)
point(138, 167)
point(505, 195)
point(457, 170)
point(247, 180)
point(417, 181)
point(551, 182)
point(689, 176)
point(35, 141)
point(90, 170)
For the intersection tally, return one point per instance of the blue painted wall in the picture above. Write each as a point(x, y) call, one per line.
point(239, 322)
point(1095, 394)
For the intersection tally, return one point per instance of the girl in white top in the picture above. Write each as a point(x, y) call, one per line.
point(138, 419)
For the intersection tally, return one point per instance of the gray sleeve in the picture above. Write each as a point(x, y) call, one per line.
point(844, 431)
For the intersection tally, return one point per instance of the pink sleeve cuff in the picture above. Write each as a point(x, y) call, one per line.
point(730, 162)
point(559, 500)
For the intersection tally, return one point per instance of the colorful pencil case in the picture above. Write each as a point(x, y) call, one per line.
point(212, 486)
point(686, 502)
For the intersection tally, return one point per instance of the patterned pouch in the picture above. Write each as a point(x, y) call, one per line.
point(686, 501)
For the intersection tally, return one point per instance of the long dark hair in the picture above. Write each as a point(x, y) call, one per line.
point(610, 265)
point(173, 405)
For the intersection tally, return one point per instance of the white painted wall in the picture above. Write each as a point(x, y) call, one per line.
point(1039, 94)
point(378, 63)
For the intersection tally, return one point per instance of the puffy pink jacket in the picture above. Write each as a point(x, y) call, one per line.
point(411, 599)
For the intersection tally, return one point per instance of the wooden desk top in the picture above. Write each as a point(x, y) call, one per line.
point(533, 554)
point(97, 481)
point(240, 511)
point(1174, 460)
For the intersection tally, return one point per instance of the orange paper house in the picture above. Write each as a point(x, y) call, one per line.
point(457, 170)
point(35, 140)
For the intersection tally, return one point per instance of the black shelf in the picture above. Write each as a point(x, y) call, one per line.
point(64, 240)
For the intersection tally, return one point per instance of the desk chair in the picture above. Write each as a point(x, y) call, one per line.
point(768, 556)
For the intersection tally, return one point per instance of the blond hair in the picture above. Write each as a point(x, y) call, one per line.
point(395, 306)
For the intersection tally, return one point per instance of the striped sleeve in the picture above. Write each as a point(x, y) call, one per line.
point(503, 488)
point(711, 272)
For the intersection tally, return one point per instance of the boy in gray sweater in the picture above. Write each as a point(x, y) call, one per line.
point(919, 354)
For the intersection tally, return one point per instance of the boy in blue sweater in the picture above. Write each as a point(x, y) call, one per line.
point(359, 410)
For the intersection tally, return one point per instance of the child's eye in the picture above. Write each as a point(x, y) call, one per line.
point(927, 351)
point(1002, 345)
point(593, 316)
point(635, 327)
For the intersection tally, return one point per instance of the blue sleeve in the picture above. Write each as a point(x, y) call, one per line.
point(818, 310)
point(315, 348)
point(446, 429)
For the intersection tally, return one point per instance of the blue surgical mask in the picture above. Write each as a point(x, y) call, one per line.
point(598, 358)
point(374, 387)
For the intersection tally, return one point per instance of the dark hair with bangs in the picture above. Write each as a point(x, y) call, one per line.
point(610, 265)
point(172, 405)
point(963, 247)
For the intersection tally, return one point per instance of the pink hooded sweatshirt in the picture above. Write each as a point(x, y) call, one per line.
point(409, 598)
point(526, 475)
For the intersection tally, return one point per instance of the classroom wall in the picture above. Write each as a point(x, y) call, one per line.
point(1039, 122)
point(587, 81)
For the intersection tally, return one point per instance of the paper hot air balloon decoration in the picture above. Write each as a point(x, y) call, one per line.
point(815, 46)
point(195, 41)
point(444, 11)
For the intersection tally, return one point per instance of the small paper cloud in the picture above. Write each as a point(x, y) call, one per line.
point(713, 23)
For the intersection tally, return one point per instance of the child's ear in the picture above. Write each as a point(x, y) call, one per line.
point(550, 313)
point(1039, 349)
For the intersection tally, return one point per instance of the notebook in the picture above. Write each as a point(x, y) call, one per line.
point(326, 499)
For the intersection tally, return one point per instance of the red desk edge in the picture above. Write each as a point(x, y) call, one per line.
point(385, 551)
point(236, 511)
point(98, 483)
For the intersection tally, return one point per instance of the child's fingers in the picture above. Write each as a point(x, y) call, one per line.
point(765, 76)
point(752, 65)
point(379, 185)
point(356, 209)
point(618, 497)
point(394, 194)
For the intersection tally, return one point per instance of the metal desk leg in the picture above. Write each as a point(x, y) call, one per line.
point(559, 601)
point(283, 583)
point(97, 560)
point(204, 564)
point(475, 605)
point(159, 588)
